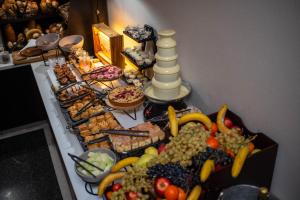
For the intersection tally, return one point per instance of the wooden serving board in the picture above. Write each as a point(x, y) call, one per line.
point(18, 59)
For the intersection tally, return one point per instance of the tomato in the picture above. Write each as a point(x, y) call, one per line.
point(109, 195)
point(171, 192)
point(230, 153)
point(214, 129)
point(251, 146)
point(116, 187)
point(212, 142)
point(228, 123)
point(181, 194)
point(132, 195)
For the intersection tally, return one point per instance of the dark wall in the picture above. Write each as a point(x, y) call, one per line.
point(83, 15)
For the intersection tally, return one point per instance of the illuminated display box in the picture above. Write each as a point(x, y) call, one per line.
point(108, 45)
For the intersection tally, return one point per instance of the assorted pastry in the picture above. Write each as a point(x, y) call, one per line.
point(138, 32)
point(140, 57)
point(75, 92)
point(48, 6)
point(89, 131)
point(135, 77)
point(84, 109)
point(105, 73)
point(64, 74)
point(27, 8)
point(126, 96)
point(55, 28)
point(97, 123)
point(128, 143)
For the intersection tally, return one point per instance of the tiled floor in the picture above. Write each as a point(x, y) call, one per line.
point(26, 170)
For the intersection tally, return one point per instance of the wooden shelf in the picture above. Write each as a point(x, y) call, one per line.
point(140, 67)
point(24, 19)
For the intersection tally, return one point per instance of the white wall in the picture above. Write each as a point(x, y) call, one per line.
point(244, 53)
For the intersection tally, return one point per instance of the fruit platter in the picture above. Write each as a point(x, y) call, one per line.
point(204, 154)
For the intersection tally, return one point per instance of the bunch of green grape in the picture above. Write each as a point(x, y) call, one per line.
point(232, 141)
point(135, 180)
point(189, 142)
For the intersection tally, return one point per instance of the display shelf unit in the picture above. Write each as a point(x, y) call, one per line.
point(20, 22)
point(151, 38)
point(140, 67)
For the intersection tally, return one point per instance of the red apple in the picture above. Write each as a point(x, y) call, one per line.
point(161, 148)
point(228, 123)
point(161, 185)
point(116, 187)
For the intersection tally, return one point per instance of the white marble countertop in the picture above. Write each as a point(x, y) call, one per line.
point(67, 142)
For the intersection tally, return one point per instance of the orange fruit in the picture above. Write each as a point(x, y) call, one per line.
point(171, 192)
point(181, 194)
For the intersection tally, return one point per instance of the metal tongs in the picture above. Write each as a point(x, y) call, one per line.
point(134, 133)
point(86, 106)
point(68, 86)
point(164, 117)
point(76, 159)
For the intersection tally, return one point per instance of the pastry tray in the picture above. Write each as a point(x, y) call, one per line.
point(134, 152)
point(78, 85)
point(72, 123)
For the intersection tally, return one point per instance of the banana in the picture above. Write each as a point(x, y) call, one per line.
point(195, 193)
point(220, 119)
point(108, 180)
point(173, 121)
point(197, 116)
point(123, 163)
point(207, 168)
point(239, 161)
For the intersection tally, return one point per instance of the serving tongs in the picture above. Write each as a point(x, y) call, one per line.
point(95, 91)
point(68, 86)
point(76, 159)
point(86, 106)
point(75, 98)
point(164, 117)
point(133, 133)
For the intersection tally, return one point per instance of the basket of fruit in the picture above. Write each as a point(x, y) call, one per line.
point(205, 155)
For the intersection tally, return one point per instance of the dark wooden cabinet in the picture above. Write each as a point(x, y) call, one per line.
point(20, 99)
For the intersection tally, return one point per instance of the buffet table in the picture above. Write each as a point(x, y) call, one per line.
point(67, 142)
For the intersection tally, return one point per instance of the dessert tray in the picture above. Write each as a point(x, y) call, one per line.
point(106, 73)
point(185, 90)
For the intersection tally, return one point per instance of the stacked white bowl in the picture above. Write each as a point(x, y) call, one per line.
point(166, 81)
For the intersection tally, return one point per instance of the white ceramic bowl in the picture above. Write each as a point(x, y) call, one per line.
point(88, 178)
point(71, 42)
point(48, 41)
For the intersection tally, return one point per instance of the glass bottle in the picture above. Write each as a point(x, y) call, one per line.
point(263, 193)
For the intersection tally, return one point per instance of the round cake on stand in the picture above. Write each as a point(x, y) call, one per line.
point(166, 85)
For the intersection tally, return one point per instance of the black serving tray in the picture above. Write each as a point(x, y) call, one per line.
point(148, 28)
point(72, 123)
point(257, 170)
